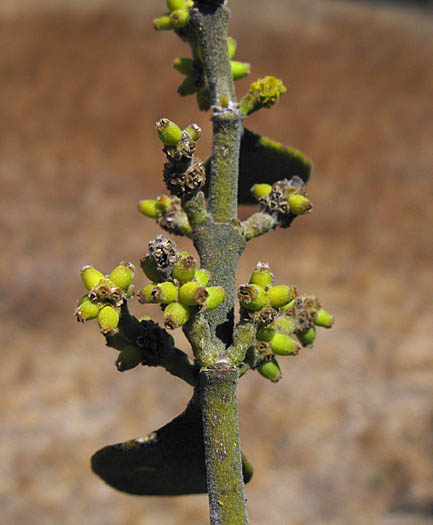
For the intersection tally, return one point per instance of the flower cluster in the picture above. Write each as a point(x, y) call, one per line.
point(280, 314)
point(177, 16)
point(184, 174)
point(263, 93)
point(106, 294)
point(176, 283)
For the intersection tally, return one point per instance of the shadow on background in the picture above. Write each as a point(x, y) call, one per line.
point(346, 436)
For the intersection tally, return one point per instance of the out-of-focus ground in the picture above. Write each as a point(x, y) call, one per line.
point(347, 436)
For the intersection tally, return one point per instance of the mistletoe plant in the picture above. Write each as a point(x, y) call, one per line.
point(199, 450)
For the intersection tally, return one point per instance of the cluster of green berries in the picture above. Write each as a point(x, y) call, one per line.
point(284, 198)
point(184, 174)
point(177, 284)
point(177, 16)
point(280, 314)
point(263, 93)
point(106, 294)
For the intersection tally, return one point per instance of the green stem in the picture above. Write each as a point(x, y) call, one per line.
point(222, 451)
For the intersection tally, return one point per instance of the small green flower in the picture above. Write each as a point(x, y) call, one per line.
point(307, 338)
point(168, 132)
point(165, 293)
point(270, 370)
point(173, 5)
point(179, 18)
point(129, 357)
point(123, 275)
point(194, 131)
point(262, 276)
point(108, 319)
point(176, 315)
point(282, 344)
point(299, 204)
point(217, 295)
point(149, 208)
point(252, 297)
point(202, 276)
point(146, 295)
point(163, 23)
point(324, 319)
point(239, 69)
point(91, 276)
point(185, 269)
point(261, 190)
point(193, 294)
point(232, 45)
point(266, 333)
point(86, 309)
point(281, 295)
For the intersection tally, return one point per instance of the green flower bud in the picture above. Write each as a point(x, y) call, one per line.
point(163, 203)
point(184, 65)
point(176, 315)
point(86, 309)
point(185, 269)
point(232, 44)
point(194, 131)
point(299, 204)
point(179, 18)
point(202, 276)
point(168, 132)
point(217, 295)
point(148, 266)
point(261, 190)
point(129, 358)
point(281, 295)
point(285, 325)
point(187, 86)
point(165, 293)
point(266, 334)
point(239, 69)
point(176, 4)
point(163, 23)
point(270, 370)
point(108, 319)
point(324, 319)
point(122, 275)
point(149, 208)
point(252, 297)
point(307, 338)
point(262, 275)
point(282, 344)
point(193, 294)
point(91, 276)
point(146, 295)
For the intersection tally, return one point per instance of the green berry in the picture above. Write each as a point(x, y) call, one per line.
point(184, 270)
point(252, 297)
point(262, 275)
point(193, 294)
point(282, 344)
point(163, 203)
point(299, 204)
point(176, 4)
point(179, 18)
point(261, 190)
point(202, 276)
point(91, 276)
point(266, 334)
point(217, 295)
point(122, 275)
point(146, 293)
point(285, 325)
point(129, 358)
point(184, 65)
point(194, 131)
point(108, 319)
point(148, 266)
point(232, 44)
point(86, 309)
point(176, 315)
point(165, 293)
point(163, 23)
point(281, 295)
point(149, 208)
point(168, 132)
point(187, 86)
point(239, 69)
point(307, 338)
point(270, 370)
point(324, 319)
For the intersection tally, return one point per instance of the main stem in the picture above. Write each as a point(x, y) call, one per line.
point(219, 245)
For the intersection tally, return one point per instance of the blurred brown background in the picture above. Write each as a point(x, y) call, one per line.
point(347, 436)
